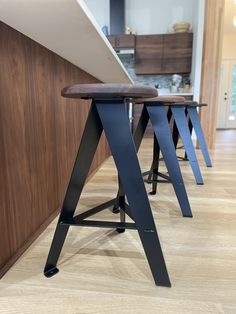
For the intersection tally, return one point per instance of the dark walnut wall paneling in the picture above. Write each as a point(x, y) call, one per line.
point(39, 136)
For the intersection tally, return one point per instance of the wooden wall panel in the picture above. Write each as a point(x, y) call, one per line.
point(39, 136)
point(212, 54)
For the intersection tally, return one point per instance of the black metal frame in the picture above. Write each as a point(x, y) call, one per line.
point(181, 129)
point(162, 142)
point(110, 115)
point(194, 123)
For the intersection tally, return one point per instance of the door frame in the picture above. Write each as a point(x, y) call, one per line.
point(225, 85)
point(212, 56)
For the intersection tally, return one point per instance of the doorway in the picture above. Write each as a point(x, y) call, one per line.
point(227, 103)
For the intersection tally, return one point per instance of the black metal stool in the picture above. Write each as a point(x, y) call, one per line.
point(195, 124)
point(154, 109)
point(108, 113)
point(181, 129)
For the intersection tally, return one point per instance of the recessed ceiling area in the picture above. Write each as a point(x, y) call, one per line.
point(230, 13)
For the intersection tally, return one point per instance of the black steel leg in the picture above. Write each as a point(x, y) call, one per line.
point(91, 135)
point(194, 118)
point(141, 128)
point(116, 126)
point(175, 135)
point(182, 125)
point(163, 134)
point(190, 126)
point(155, 165)
point(150, 175)
point(138, 136)
point(121, 205)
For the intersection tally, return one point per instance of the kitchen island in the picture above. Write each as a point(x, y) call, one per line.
point(44, 46)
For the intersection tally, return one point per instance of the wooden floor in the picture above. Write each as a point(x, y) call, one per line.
point(105, 272)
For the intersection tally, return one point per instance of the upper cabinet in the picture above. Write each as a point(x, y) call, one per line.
point(177, 53)
point(149, 54)
point(163, 54)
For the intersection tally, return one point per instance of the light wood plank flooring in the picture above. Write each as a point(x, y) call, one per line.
point(105, 272)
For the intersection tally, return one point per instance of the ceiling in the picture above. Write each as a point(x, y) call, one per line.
point(230, 12)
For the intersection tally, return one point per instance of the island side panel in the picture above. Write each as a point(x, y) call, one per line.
point(39, 136)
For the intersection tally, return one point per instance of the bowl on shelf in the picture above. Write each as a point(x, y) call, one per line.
point(181, 27)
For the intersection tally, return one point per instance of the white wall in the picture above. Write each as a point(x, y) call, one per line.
point(100, 10)
point(157, 16)
point(147, 16)
point(198, 30)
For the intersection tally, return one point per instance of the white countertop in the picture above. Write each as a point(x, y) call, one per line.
point(67, 28)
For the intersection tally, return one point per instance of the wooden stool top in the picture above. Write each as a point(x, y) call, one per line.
point(161, 99)
point(195, 104)
point(108, 91)
point(191, 103)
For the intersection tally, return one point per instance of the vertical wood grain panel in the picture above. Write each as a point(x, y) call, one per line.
point(148, 54)
point(39, 136)
point(212, 52)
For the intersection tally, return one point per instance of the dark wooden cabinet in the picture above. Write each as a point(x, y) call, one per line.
point(148, 54)
point(163, 54)
point(122, 41)
point(177, 53)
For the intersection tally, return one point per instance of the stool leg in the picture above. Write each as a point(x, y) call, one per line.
point(182, 125)
point(195, 121)
point(190, 126)
point(155, 165)
point(116, 126)
point(163, 134)
point(121, 204)
point(91, 135)
point(149, 179)
point(141, 128)
point(175, 135)
point(139, 134)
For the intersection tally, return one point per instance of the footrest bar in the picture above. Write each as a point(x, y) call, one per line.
point(162, 175)
point(182, 158)
point(146, 173)
point(99, 224)
point(96, 209)
point(158, 181)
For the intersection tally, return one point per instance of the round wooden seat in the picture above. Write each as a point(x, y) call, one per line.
point(87, 91)
point(161, 99)
point(195, 104)
point(191, 103)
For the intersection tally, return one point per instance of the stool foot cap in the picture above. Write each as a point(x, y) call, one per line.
point(153, 193)
point(188, 216)
point(50, 271)
point(119, 230)
point(116, 209)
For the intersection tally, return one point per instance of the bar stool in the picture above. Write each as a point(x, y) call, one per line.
point(155, 110)
point(108, 113)
point(181, 129)
point(195, 123)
